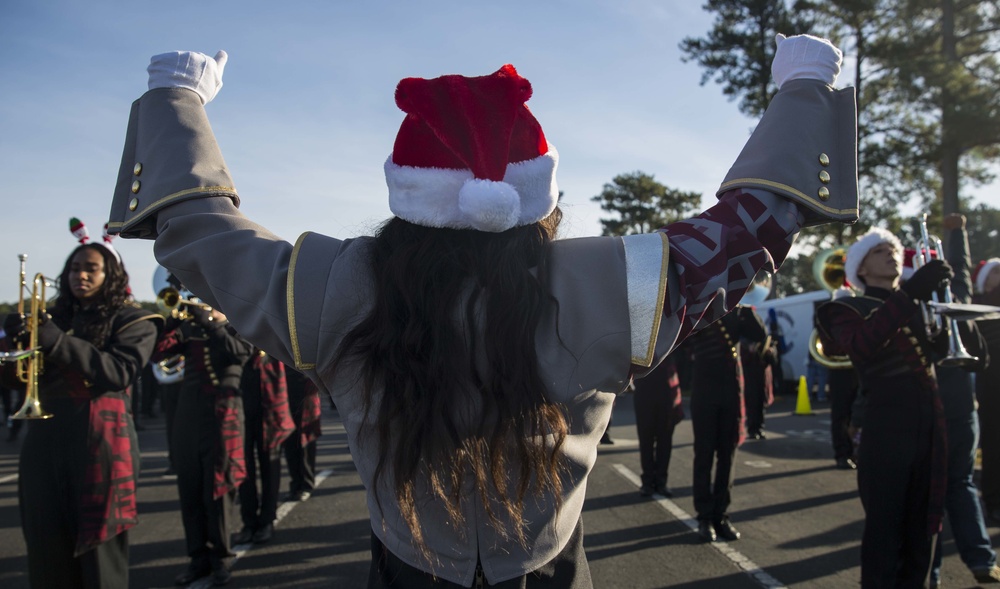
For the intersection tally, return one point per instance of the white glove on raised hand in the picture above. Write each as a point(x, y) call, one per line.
point(188, 69)
point(805, 57)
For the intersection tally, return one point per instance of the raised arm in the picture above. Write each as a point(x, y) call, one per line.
point(799, 168)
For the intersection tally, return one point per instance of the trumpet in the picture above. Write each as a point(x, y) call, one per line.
point(934, 322)
point(170, 301)
point(29, 360)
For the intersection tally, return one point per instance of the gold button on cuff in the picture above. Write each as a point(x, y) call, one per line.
point(824, 160)
point(133, 204)
point(135, 186)
point(137, 169)
point(824, 177)
point(824, 193)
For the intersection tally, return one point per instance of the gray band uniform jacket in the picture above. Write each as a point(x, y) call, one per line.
point(623, 302)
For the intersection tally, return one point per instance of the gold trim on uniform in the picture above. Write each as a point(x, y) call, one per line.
point(216, 190)
point(749, 182)
point(293, 334)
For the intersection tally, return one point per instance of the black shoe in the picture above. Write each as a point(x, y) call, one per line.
point(263, 534)
point(725, 530)
point(297, 496)
point(705, 531)
point(757, 435)
point(606, 439)
point(195, 571)
point(244, 536)
point(987, 576)
point(220, 574)
point(645, 490)
point(663, 491)
point(846, 464)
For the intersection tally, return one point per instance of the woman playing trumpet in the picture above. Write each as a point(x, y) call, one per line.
point(78, 469)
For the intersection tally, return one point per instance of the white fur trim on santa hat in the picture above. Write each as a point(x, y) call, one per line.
point(433, 197)
point(857, 252)
point(984, 272)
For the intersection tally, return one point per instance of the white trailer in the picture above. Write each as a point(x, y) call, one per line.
point(794, 315)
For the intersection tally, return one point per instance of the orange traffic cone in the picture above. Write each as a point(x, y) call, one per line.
point(802, 405)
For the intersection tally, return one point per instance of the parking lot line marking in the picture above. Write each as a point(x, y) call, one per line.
point(736, 557)
point(283, 510)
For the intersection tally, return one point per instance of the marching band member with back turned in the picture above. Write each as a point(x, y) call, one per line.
point(474, 358)
point(78, 469)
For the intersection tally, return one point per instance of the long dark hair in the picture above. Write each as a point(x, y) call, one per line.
point(437, 292)
point(114, 292)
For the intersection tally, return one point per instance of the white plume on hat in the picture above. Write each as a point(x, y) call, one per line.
point(857, 252)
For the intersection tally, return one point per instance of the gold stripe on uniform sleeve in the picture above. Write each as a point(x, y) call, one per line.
point(293, 335)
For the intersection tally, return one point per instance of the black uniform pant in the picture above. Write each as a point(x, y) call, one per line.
point(301, 463)
point(568, 570)
point(258, 510)
point(301, 458)
point(49, 473)
point(989, 442)
point(894, 476)
point(716, 425)
point(168, 404)
point(654, 424)
point(197, 444)
point(843, 392)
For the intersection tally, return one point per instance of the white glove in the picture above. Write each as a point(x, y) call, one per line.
point(805, 57)
point(187, 69)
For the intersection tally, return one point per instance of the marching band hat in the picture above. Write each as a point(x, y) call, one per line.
point(857, 252)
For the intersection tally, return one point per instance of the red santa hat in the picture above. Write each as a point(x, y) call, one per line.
point(982, 271)
point(470, 155)
point(909, 266)
point(857, 252)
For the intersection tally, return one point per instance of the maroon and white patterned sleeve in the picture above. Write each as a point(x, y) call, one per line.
point(715, 256)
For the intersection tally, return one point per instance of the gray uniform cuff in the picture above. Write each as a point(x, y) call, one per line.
point(170, 156)
point(805, 149)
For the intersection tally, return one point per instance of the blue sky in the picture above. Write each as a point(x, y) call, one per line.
point(306, 117)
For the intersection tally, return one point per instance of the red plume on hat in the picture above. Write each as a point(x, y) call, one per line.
point(909, 266)
point(470, 155)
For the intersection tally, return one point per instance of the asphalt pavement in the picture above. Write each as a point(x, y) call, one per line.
point(800, 518)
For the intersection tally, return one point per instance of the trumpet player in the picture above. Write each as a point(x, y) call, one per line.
point(208, 435)
point(901, 459)
point(78, 469)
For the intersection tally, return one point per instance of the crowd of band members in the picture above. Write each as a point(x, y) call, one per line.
point(237, 407)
